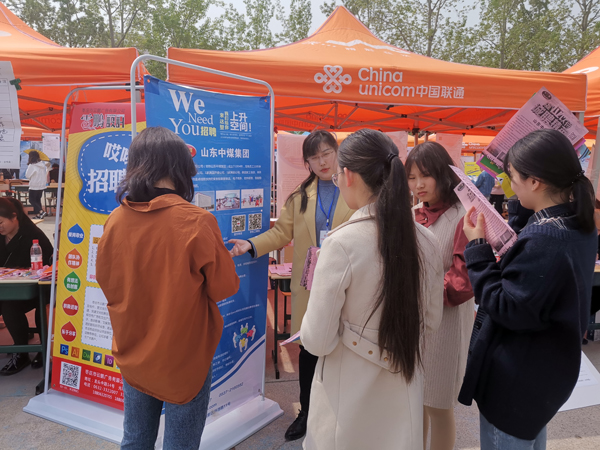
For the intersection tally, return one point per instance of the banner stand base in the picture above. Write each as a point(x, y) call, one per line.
point(107, 423)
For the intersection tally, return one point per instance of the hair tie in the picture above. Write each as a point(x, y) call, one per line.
point(391, 156)
point(580, 174)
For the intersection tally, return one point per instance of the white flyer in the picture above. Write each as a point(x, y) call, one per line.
point(542, 111)
point(51, 145)
point(95, 235)
point(497, 232)
point(587, 389)
point(10, 122)
point(96, 329)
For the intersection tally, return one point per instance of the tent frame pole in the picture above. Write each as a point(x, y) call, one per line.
point(168, 61)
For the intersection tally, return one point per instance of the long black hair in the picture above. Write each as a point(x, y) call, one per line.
point(548, 156)
point(34, 157)
point(154, 154)
point(10, 208)
point(374, 156)
point(432, 159)
point(310, 147)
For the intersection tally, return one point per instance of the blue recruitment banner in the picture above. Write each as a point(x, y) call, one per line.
point(229, 138)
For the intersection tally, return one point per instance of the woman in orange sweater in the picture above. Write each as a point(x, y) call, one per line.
point(163, 267)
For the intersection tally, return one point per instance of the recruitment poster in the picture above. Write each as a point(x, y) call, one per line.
point(99, 140)
point(229, 137)
point(542, 111)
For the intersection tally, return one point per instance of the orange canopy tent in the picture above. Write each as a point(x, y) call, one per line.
point(590, 65)
point(48, 72)
point(342, 77)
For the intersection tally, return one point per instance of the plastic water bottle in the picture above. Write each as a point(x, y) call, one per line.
point(36, 256)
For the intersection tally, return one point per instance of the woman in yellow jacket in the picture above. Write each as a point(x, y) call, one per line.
point(313, 209)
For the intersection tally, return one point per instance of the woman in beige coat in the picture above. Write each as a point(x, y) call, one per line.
point(308, 214)
point(378, 287)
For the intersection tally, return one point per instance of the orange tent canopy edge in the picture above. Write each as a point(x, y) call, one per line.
point(48, 72)
point(342, 77)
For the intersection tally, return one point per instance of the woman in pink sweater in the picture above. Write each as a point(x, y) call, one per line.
point(432, 181)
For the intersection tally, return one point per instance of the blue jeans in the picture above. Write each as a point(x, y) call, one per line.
point(493, 439)
point(184, 424)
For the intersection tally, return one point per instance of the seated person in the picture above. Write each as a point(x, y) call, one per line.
point(8, 174)
point(53, 174)
point(17, 233)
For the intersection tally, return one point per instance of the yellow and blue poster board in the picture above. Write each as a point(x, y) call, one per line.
point(83, 365)
point(229, 138)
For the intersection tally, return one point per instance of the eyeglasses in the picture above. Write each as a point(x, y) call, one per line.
point(317, 158)
point(334, 178)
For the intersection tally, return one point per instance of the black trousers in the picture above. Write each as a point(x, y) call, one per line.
point(497, 200)
point(306, 368)
point(16, 320)
point(35, 198)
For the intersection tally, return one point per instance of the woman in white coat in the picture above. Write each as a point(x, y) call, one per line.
point(378, 287)
point(37, 174)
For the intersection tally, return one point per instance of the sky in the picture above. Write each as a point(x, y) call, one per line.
point(317, 16)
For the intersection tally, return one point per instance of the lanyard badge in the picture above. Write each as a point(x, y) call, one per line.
point(327, 215)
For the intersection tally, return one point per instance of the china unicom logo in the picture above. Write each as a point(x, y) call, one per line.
point(333, 79)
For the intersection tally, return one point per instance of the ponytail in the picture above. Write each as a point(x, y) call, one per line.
point(374, 157)
point(547, 155)
point(584, 202)
point(310, 147)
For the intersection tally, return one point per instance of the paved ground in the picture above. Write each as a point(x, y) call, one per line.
point(576, 430)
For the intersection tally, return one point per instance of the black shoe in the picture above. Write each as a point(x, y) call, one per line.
point(297, 429)
point(38, 361)
point(16, 363)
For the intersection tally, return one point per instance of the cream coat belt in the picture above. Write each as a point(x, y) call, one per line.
point(364, 348)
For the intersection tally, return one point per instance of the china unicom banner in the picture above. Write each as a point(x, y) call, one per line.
point(99, 139)
point(229, 139)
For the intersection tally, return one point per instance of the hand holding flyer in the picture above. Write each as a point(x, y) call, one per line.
point(542, 111)
point(294, 338)
point(497, 232)
point(474, 230)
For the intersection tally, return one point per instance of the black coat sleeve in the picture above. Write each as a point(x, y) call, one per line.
point(518, 292)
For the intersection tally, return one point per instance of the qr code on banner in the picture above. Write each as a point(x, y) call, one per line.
point(255, 221)
point(70, 375)
point(238, 224)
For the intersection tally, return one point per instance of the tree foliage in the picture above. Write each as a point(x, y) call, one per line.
point(297, 23)
point(546, 35)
